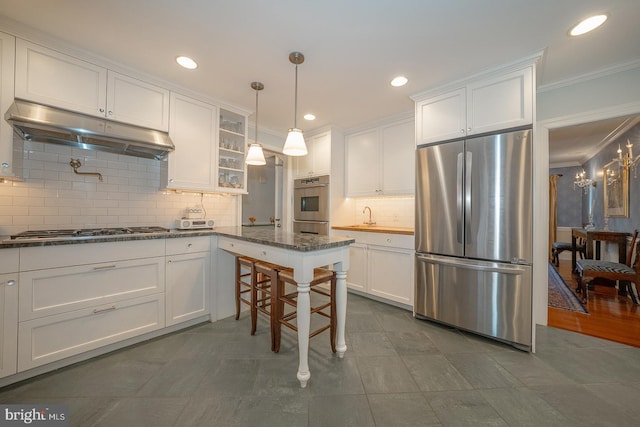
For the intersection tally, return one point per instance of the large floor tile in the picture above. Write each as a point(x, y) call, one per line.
point(402, 410)
point(340, 411)
point(385, 375)
point(435, 373)
point(463, 408)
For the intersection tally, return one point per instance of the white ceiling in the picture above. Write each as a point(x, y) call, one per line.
point(352, 48)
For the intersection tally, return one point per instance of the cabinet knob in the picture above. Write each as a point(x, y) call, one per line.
point(461, 130)
point(468, 129)
point(110, 113)
point(11, 282)
point(101, 110)
point(189, 245)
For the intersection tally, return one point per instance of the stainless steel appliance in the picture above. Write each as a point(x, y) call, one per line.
point(85, 233)
point(40, 123)
point(311, 205)
point(474, 235)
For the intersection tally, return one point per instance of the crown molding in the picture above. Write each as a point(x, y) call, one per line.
point(603, 72)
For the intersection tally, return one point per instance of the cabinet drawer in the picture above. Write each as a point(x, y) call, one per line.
point(52, 338)
point(391, 240)
point(54, 291)
point(185, 245)
point(359, 236)
point(40, 257)
point(9, 260)
point(262, 252)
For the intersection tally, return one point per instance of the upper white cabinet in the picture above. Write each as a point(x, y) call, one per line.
point(192, 166)
point(318, 160)
point(7, 55)
point(381, 161)
point(53, 78)
point(499, 102)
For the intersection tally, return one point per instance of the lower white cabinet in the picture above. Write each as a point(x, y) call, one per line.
point(381, 265)
point(97, 295)
point(188, 276)
point(51, 338)
point(8, 312)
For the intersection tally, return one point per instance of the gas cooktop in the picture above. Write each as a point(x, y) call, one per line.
point(86, 232)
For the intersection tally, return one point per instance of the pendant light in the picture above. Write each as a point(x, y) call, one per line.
point(255, 156)
point(294, 145)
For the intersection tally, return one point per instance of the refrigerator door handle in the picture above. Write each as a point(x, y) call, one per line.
point(467, 199)
point(474, 265)
point(459, 198)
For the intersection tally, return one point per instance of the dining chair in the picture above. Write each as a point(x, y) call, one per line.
point(627, 275)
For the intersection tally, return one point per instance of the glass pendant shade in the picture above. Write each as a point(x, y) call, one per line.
point(294, 144)
point(255, 156)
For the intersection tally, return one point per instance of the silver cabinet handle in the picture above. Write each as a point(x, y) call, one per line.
point(11, 282)
point(104, 267)
point(102, 310)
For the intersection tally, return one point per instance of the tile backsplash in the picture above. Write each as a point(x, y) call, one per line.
point(52, 196)
point(389, 211)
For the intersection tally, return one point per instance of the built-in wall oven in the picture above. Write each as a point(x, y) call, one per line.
point(311, 205)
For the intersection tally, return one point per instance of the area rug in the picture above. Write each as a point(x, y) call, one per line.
point(560, 295)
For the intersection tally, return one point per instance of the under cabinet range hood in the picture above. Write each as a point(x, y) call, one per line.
point(40, 123)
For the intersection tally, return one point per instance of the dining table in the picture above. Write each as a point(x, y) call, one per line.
point(597, 236)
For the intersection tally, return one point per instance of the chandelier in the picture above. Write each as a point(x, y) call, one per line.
point(582, 181)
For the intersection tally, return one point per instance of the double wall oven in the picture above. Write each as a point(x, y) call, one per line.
point(311, 205)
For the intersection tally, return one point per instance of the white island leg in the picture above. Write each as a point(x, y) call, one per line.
point(341, 311)
point(304, 321)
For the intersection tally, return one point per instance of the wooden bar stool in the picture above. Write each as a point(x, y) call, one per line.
point(325, 309)
point(251, 279)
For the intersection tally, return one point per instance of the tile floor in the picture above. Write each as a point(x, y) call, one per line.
point(397, 372)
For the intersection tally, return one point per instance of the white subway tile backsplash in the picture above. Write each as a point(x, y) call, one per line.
point(53, 196)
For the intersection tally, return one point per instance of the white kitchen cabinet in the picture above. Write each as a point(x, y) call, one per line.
point(232, 147)
point(7, 59)
point(381, 161)
point(495, 103)
point(381, 265)
point(78, 298)
point(391, 273)
point(188, 274)
point(318, 160)
point(192, 166)
point(9, 311)
point(49, 77)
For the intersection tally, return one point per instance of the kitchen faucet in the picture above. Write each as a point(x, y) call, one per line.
point(368, 222)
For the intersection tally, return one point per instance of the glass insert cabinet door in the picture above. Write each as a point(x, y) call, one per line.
point(232, 149)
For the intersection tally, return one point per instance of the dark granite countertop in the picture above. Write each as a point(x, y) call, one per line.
point(5, 242)
point(270, 236)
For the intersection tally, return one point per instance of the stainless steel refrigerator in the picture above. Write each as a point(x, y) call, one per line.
point(474, 235)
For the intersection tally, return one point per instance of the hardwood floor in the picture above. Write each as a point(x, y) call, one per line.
point(611, 316)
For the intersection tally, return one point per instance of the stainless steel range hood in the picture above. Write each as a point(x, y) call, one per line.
point(39, 123)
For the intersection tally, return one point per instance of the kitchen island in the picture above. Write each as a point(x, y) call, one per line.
point(303, 253)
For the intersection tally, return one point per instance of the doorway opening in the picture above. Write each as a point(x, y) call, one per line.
point(263, 205)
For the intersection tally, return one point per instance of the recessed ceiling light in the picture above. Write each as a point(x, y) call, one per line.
point(309, 116)
point(399, 81)
point(586, 25)
point(186, 62)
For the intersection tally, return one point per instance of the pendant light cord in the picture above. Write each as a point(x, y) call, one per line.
point(295, 102)
point(256, 139)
